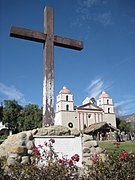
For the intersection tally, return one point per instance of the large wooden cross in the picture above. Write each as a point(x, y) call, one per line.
point(49, 40)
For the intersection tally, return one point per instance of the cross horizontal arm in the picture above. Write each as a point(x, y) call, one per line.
point(28, 34)
point(68, 43)
point(23, 33)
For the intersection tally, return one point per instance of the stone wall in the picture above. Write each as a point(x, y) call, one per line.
point(90, 147)
point(18, 147)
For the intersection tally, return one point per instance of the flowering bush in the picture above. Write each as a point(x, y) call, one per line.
point(45, 157)
point(45, 165)
point(46, 154)
point(124, 155)
point(118, 165)
point(94, 157)
point(116, 144)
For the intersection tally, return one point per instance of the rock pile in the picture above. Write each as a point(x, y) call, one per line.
point(90, 147)
point(18, 147)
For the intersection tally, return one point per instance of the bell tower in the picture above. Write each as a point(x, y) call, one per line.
point(64, 100)
point(105, 102)
point(65, 113)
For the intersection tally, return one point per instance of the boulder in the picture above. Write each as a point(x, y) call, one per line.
point(58, 130)
point(42, 132)
point(75, 132)
point(86, 150)
point(18, 149)
point(87, 144)
point(87, 161)
point(87, 138)
point(30, 145)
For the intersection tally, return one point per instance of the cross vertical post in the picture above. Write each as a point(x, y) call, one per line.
point(48, 79)
point(49, 40)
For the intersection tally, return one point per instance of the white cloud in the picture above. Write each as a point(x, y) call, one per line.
point(126, 106)
point(85, 14)
point(88, 3)
point(104, 18)
point(12, 93)
point(96, 87)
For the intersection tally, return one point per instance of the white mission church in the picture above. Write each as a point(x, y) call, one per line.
point(67, 114)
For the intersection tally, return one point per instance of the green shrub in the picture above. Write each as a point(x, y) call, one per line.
point(45, 165)
point(119, 165)
point(3, 175)
point(3, 137)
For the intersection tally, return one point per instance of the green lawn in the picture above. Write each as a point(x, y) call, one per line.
point(128, 146)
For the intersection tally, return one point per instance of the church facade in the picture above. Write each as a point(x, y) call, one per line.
point(67, 114)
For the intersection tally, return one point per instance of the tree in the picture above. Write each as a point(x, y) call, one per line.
point(117, 122)
point(18, 118)
point(11, 112)
point(125, 126)
point(1, 112)
point(30, 118)
point(93, 100)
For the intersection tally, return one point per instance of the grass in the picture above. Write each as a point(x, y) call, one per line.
point(128, 146)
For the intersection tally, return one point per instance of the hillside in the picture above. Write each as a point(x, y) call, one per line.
point(129, 118)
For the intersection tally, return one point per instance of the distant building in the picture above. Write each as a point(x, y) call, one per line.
point(67, 114)
point(3, 129)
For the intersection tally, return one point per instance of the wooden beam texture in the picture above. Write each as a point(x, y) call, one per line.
point(49, 40)
point(32, 35)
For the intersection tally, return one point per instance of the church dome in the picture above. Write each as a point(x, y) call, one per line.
point(64, 90)
point(104, 95)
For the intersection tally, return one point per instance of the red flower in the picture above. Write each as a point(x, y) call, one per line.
point(61, 161)
point(35, 152)
point(123, 155)
point(70, 162)
point(75, 157)
point(116, 144)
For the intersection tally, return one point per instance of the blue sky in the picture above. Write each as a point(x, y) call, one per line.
point(107, 62)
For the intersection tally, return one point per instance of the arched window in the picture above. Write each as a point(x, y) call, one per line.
point(108, 110)
point(66, 98)
point(67, 107)
point(107, 101)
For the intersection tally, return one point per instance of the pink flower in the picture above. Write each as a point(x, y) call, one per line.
point(70, 162)
point(75, 157)
point(94, 158)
